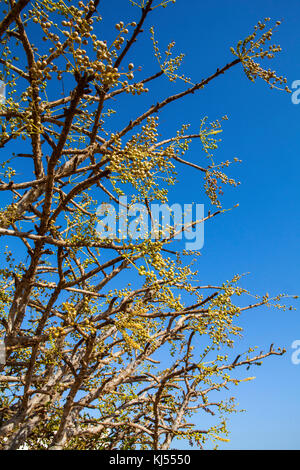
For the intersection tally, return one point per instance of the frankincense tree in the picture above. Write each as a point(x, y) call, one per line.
point(94, 361)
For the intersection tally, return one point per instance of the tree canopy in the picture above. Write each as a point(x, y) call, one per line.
point(110, 341)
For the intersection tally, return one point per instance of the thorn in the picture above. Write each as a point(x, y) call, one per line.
point(236, 359)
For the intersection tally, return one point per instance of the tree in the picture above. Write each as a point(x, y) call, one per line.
point(92, 360)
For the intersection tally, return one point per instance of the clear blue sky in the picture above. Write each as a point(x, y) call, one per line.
point(261, 236)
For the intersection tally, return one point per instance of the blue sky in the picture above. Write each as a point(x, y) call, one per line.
point(261, 236)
